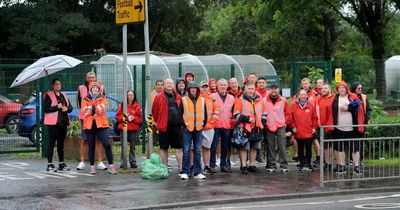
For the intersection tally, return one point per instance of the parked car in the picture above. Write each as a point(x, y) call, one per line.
point(27, 115)
point(8, 114)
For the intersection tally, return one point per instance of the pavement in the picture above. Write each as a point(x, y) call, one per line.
point(24, 184)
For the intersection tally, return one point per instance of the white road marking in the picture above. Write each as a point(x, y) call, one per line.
point(42, 175)
point(12, 177)
point(18, 165)
point(369, 198)
point(378, 206)
point(274, 205)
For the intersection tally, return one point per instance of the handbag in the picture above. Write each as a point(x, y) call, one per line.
point(255, 135)
point(239, 137)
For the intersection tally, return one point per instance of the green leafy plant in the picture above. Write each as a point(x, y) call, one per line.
point(74, 128)
point(315, 73)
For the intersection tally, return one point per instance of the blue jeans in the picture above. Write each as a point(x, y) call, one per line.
point(225, 135)
point(188, 138)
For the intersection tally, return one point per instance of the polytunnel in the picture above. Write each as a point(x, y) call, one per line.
point(186, 63)
point(109, 72)
point(392, 72)
point(109, 69)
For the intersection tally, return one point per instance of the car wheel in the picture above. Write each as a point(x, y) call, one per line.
point(33, 136)
point(11, 125)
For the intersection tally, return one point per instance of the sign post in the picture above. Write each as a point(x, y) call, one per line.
point(126, 11)
point(147, 58)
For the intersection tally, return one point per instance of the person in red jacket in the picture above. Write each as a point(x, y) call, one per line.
point(169, 122)
point(303, 122)
point(134, 119)
point(346, 112)
point(323, 108)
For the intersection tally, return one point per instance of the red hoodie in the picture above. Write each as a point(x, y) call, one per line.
point(323, 106)
point(160, 110)
point(359, 111)
point(303, 119)
point(136, 111)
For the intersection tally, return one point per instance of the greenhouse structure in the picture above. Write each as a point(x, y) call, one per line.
point(392, 71)
point(109, 69)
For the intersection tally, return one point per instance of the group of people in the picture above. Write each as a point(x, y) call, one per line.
point(199, 120)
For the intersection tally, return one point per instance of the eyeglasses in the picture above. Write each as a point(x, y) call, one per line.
point(360, 88)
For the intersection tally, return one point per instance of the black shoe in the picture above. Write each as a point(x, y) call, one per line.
point(315, 164)
point(259, 159)
point(295, 159)
point(51, 168)
point(133, 165)
point(271, 168)
point(244, 170)
point(327, 167)
point(63, 167)
point(254, 169)
point(357, 170)
point(340, 169)
point(207, 170)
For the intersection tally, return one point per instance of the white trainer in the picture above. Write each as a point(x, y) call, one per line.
point(200, 176)
point(101, 166)
point(184, 177)
point(81, 166)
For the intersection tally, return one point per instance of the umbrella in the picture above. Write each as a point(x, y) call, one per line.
point(45, 66)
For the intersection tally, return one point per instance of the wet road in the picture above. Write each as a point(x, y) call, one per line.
point(358, 201)
point(25, 185)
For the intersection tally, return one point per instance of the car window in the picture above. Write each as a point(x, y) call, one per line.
point(30, 100)
point(5, 99)
point(112, 105)
point(72, 99)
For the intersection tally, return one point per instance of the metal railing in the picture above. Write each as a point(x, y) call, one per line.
point(378, 156)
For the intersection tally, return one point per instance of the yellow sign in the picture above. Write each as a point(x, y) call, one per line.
point(338, 75)
point(129, 11)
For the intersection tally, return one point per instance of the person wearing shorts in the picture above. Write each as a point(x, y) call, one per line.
point(346, 113)
point(208, 131)
point(168, 122)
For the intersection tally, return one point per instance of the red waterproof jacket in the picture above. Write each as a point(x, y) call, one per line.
point(133, 109)
point(160, 110)
point(303, 119)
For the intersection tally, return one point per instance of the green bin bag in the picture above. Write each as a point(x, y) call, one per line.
point(153, 168)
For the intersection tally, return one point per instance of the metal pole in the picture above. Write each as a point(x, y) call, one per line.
point(147, 57)
point(321, 163)
point(232, 70)
point(125, 100)
point(180, 70)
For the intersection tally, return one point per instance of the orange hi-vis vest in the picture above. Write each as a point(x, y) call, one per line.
point(225, 110)
point(100, 105)
point(254, 110)
point(364, 101)
point(212, 111)
point(83, 92)
point(193, 115)
point(276, 114)
point(51, 118)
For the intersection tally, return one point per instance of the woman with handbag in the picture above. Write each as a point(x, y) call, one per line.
point(250, 112)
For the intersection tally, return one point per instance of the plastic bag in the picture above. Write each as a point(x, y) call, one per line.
point(153, 168)
point(239, 138)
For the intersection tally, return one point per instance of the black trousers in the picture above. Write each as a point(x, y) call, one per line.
point(305, 160)
point(57, 134)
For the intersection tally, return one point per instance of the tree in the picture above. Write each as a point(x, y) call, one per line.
point(370, 17)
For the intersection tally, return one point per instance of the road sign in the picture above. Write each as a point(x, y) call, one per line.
point(129, 11)
point(338, 75)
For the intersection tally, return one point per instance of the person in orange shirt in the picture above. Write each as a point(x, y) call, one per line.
point(303, 121)
point(208, 131)
point(234, 88)
point(323, 107)
point(95, 124)
point(250, 112)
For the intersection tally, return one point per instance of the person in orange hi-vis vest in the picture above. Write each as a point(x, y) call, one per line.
point(95, 124)
point(82, 93)
point(194, 111)
point(278, 113)
point(56, 108)
point(223, 126)
point(250, 112)
point(208, 131)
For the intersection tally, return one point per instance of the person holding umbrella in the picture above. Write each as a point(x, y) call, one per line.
point(56, 109)
point(95, 124)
